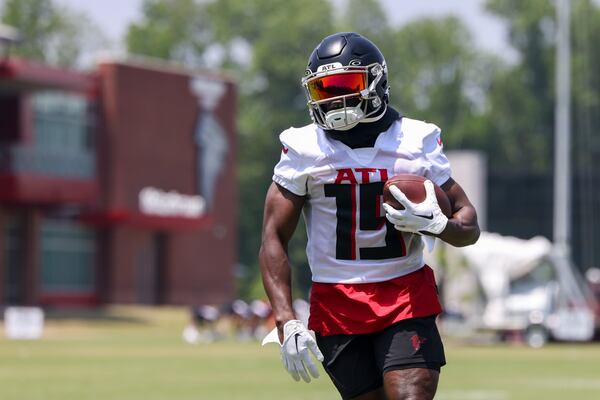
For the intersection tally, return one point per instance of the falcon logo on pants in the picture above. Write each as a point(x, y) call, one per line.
point(417, 341)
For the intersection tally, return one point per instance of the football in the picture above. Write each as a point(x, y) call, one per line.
point(412, 186)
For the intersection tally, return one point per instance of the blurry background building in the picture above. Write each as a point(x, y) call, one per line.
point(116, 185)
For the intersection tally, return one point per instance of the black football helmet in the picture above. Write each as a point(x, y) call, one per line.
point(346, 82)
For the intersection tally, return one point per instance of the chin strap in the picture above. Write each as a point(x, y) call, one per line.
point(377, 117)
point(362, 121)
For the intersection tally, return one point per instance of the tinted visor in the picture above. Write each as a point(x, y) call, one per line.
point(328, 86)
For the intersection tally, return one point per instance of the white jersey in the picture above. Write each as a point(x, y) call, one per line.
point(349, 238)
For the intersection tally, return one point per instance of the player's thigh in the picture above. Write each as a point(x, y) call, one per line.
point(410, 384)
point(350, 363)
point(410, 354)
point(411, 343)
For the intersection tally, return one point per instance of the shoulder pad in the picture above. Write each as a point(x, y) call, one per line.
point(303, 141)
point(417, 128)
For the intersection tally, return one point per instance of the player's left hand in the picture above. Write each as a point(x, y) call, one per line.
point(425, 217)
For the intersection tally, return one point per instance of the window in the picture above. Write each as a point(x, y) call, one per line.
point(62, 121)
point(63, 137)
point(539, 276)
point(15, 257)
point(68, 257)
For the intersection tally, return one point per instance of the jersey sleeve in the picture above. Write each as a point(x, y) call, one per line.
point(438, 170)
point(289, 171)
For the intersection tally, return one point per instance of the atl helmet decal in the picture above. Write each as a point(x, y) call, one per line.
point(327, 67)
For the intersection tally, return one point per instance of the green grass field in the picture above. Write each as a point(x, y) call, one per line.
point(137, 353)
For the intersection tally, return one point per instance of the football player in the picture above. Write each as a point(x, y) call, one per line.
point(373, 301)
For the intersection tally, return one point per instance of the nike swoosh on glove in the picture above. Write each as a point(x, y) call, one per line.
point(297, 345)
point(417, 217)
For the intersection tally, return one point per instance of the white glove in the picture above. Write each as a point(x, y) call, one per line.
point(417, 218)
point(297, 341)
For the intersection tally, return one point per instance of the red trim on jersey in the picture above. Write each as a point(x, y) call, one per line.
point(371, 307)
point(353, 227)
point(384, 174)
point(384, 177)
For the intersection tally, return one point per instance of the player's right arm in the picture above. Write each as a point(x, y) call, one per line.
point(281, 215)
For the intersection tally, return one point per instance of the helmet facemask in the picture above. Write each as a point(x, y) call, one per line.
point(339, 97)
